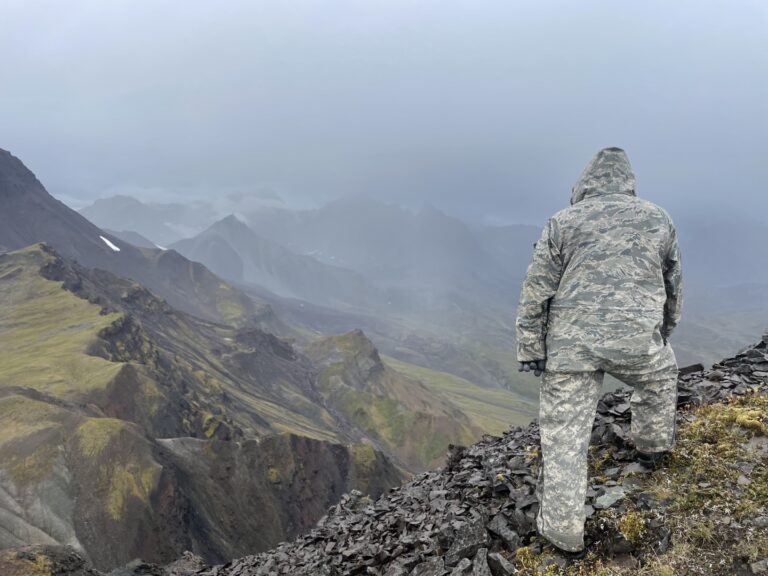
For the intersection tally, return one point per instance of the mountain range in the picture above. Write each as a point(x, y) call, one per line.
point(454, 284)
point(150, 407)
point(28, 215)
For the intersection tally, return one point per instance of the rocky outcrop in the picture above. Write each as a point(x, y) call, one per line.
point(401, 415)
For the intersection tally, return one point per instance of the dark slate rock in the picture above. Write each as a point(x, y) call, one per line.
point(499, 565)
point(463, 568)
point(611, 496)
point(432, 567)
point(691, 369)
point(500, 526)
point(396, 569)
point(480, 563)
point(469, 539)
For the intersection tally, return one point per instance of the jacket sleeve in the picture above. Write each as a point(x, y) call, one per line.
point(673, 285)
point(539, 287)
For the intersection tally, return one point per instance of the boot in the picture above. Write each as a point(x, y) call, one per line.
point(650, 460)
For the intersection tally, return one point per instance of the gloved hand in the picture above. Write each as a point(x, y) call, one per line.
point(535, 366)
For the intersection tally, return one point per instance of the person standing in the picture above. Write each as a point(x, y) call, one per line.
point(602, 294)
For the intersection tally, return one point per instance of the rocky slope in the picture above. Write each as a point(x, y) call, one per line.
point(704, 511)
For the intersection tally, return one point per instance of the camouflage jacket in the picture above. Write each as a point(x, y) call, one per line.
point(604, 288)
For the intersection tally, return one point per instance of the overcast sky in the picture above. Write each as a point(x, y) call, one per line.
point(488, 109)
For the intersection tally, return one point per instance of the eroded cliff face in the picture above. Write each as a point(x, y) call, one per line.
point(132, 430)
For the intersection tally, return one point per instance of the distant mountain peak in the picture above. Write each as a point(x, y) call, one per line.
point(233, 220)
point(353, 349)
point(15, 177)
point(119, 200)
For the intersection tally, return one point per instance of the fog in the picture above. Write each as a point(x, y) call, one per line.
point(486, 109)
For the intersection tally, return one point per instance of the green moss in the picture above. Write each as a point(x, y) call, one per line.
point(126, 482)
point(273, 475)
point(492, 410)
point(365, 459)
point(228, 304)
point(33, 467)
point(95, 434)
point(528, 562)
point(22, 416)
point(632, 527)
point(151, 396)
point(331, 377)
point(45, 332)
point(12, 563)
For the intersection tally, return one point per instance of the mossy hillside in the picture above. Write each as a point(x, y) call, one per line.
point(32, 432)
point(148, 399)
point(370, 470)
point(230, 306)
point(401, 414)
point(45, 332)
point(365, 461)
point(492, 410)
point(130, 482)
point(419, 439)
point(108, 460)
point(23, 416)
point(171, 373)
point(259, 492)
point(290, 412)
point(115, 462)
point(95, 434)
point(66, 348)
point(167, 371)
point(246, 377)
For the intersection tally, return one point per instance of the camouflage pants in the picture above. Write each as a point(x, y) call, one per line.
point(566, 416)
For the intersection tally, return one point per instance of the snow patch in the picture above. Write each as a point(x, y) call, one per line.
point(110, 244)
point(161, 247)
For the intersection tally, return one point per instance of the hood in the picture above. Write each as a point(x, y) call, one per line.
point(609, 172)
